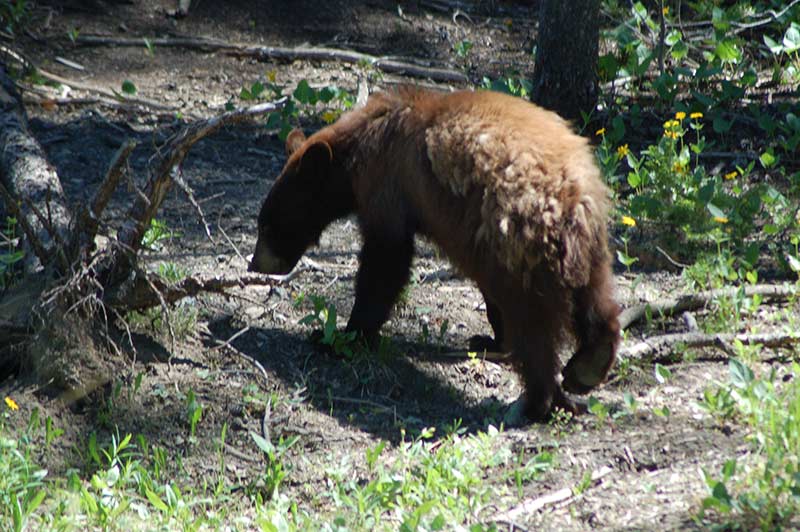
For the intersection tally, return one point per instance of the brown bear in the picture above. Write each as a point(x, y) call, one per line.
point(510, 194)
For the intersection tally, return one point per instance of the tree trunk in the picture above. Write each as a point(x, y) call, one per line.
point(565, 74)
point(28, 177)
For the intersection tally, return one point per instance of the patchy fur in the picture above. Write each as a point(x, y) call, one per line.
point(542, 194)
point(507, 191)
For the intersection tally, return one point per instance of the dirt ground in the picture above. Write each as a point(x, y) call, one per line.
point(338, 409)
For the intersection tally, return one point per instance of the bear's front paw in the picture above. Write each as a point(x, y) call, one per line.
point(523, 411)
point(587, 369)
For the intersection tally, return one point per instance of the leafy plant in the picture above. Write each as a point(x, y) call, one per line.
point(427, 489)
point(326, 103)
point(22, 487)
point(158, 232)
point(194, 411)
point(513, 83)
point(14, 15)
point(323, 318)
point(275, 472)
point(759, 490)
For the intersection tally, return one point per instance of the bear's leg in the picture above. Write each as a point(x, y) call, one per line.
point(596, 322)
point(537, 359)
point(533, 332)
point(382, 274)
point(481, 342)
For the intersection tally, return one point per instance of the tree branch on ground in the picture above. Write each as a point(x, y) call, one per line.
point(306, 53)
point(661, 348)
point(675, 305)
point(531, 505)
point(146, 287)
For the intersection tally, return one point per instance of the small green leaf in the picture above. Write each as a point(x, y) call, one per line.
point(728, 52)
point(662, 373)
point(128, 87)
point(663, 411)
point(34, 503)
point(155, 500)
point(721, 125)
point(794, 263)
point(767, 159)
point(741, 375)
point(265, 446)
point(773, 46)
point(326, 94)
point(625, 259)
point(715, 211)
point(791, 40)
point(304, 93)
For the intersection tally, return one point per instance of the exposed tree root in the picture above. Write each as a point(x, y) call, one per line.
point(74, 287)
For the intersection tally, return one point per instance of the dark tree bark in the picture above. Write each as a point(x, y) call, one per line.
point(26, 175)
point(565, 74)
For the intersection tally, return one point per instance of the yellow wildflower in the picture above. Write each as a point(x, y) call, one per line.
point(696, 115)
point(330, 116)
point(721, 219)
point(10, 403)
point(678, 168)
point(671, 134)
point(731, 175)
point(601, 131)
point(622, 151)
point(627, 220)
point(680, 115)
point(271, 75)
point(665, 11)
point(671, 124)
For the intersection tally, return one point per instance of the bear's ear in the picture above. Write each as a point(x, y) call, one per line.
point(294, 140)
point(317, 157)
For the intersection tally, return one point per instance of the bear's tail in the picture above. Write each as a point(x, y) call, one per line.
point(584, 241)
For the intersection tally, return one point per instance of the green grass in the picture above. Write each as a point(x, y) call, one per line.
point(760, 490)
point(128, 483)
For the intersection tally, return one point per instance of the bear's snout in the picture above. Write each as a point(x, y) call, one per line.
point(265, 261)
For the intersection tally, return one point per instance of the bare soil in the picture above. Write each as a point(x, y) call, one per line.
point(338, 408)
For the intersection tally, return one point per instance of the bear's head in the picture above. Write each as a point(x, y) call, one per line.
point(293, 214)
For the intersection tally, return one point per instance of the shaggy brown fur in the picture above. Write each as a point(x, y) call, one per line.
point(508, 192)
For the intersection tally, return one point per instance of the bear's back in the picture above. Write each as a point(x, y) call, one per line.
point(540, 185)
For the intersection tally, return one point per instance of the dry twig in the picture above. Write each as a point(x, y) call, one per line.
point(528, 506)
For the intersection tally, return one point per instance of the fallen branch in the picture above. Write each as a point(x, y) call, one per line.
point(660, 348)
point(111, 95)
point(306, 53)
point(675, 305)
point(148, 289)
point(89, 219)
point(528, 506)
